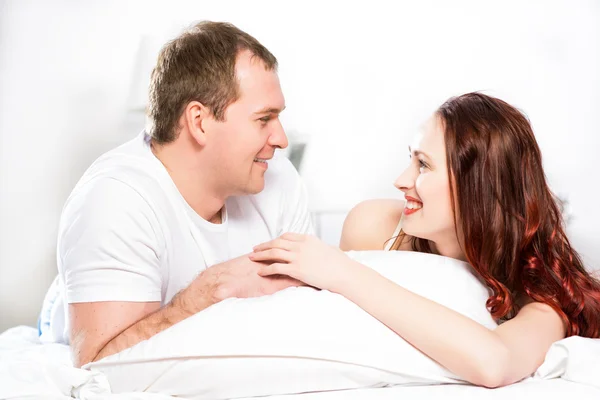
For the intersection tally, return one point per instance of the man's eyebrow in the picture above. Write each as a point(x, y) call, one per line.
point(270, 110)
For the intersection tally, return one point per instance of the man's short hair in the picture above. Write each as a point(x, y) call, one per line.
point(198, 65)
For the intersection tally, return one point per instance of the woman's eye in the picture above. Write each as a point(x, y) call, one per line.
point(423, 164)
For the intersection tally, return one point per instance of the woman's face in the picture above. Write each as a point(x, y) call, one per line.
point(428, 210)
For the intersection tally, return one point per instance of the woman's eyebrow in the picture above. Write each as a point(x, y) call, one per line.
point(418, 152)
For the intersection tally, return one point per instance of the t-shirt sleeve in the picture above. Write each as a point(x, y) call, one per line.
point(108, 245)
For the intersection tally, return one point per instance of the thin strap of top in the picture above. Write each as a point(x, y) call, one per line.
point(391, 242)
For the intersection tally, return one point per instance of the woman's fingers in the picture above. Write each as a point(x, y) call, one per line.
point(278, 243)
point(272, 254)
point(275, 269)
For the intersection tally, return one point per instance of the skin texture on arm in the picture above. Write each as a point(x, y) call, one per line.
point(100, 329)
point(104, 328)
point(479, 355)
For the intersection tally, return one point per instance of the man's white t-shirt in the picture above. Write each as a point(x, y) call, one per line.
point(127, 234)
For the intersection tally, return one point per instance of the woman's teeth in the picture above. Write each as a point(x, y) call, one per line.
point(260, 160)
point(413, 205)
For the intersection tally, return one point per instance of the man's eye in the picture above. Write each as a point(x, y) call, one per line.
point(265, 119)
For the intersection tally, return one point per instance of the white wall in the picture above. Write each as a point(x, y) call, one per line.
point(358, 78)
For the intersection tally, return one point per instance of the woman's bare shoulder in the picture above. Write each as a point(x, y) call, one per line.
point(370, 224)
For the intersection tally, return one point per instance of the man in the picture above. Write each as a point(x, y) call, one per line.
point(157, 229)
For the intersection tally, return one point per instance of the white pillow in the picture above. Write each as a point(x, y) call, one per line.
point(298, 340)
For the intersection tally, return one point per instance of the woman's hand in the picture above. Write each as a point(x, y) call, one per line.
point(305, 258)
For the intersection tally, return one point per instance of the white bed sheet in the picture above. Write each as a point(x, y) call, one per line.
point(530, 390)
point(30, 370)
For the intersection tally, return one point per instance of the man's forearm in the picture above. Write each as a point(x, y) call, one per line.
point(154, 323)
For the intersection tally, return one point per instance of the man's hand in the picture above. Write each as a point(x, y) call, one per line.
point(235, 278)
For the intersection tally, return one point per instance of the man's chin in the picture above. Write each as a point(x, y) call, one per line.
point(259, 187)
point(254, 187)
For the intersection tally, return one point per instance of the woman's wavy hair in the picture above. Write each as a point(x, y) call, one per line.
point(513, 230)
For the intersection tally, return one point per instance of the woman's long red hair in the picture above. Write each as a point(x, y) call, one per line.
point(512, 226)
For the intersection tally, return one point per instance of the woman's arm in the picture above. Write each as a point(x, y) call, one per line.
point(479, 355)
point(488, 358)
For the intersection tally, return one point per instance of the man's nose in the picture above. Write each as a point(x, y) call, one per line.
point(278, 138)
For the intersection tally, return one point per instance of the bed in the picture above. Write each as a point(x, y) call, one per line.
point(299, 343)
point(31, 370)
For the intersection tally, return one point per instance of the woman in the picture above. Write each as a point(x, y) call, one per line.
point(475, 190)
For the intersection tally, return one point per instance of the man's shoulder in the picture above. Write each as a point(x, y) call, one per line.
point(127, 165)
point(101, 200)
point(132, 154)
point(122, 181)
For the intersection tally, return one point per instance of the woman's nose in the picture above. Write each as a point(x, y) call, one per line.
point(406, 180)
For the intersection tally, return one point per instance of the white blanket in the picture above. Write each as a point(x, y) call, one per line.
point(297, 340)
point(30, 369)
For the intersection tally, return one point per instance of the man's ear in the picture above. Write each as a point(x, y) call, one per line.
point(195, 117)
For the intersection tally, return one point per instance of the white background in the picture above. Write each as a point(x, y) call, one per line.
point(359, 77)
